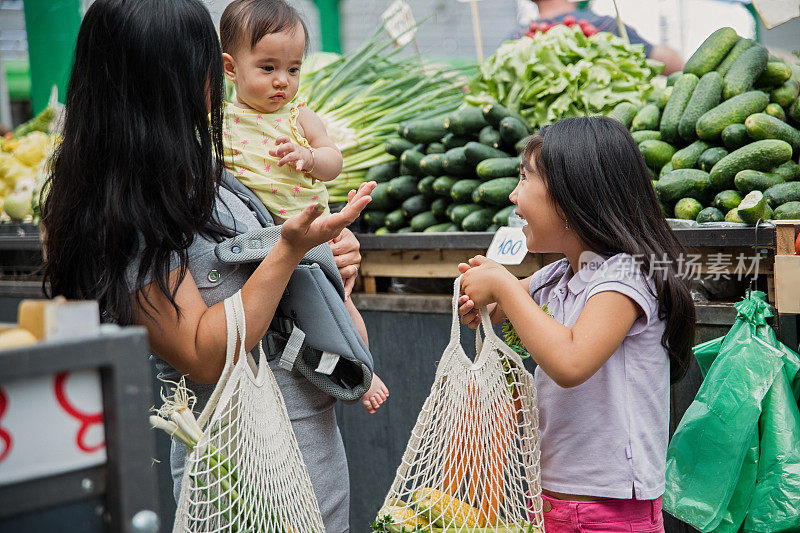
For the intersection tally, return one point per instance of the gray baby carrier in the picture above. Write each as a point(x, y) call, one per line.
point(312, 332)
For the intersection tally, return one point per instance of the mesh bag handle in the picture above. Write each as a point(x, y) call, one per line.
point(473, 456)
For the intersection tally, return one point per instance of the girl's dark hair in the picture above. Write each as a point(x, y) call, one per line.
point(135, 175)
point(247, 21)
point(597, 177)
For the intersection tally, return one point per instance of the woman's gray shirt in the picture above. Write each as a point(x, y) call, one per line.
point(310, 410)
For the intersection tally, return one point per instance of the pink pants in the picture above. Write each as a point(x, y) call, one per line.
point(607, 516)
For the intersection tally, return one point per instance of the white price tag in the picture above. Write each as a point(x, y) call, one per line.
point(399, 22)
point(508, 246)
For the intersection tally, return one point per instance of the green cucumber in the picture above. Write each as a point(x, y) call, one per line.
point(465, 121)
point(490, 137)
point(654, 95)
point(451, 141)
point(395, 220)
point(711, 52)
point(705, 97)
point(512, 130)
point(666, 169)
point(383, 172)
point(461, 191)
point(406, 229)
point(375, 219)
point(425, 186)
point(733, 111)
point(422, 221)
point(794, 111)
point(444, 227)
point(493, 228)
point(671, 117)
point(787, 211)
point(710, 214)
point(763, 126)
point(786, 93)
point(477, 152)
point(687, 209)
point(383, 231)
point(624, 112)
point(501, 217)
point(664, 98)
point(711, 157)
point(522, 144)
point(758, 155)
point(396, 146)
point(789, 171)
point(381, 199)
point(432, 164)
point(647, 119)
point(424, 131)
point(449, 211)
point(727, 200)
point(461, 211)
point(646, 135)
point(774, 110)
point(656, 153)
point(403, 187)
point(733, 216)
point(783, 192)
point(745, 71)
point(498, 167)
point(443, 184)
point(735, 136)
point(688, 157)
point(683, 183)
point(455, 162)
point(776, 74)
point(496, 191)
point(754, 180)
point(494, 113)
point(478, 220)
point(754, 207)
point(672, 78)
point(737, 50)
point(440, 205)
point(411, 160)
point(435, 148)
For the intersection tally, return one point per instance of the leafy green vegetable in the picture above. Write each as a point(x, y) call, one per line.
point(563, 73)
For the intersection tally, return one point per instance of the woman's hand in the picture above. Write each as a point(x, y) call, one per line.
point(345, 248)
point(305, 231)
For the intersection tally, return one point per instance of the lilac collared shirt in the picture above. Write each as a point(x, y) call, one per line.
point(608, 436)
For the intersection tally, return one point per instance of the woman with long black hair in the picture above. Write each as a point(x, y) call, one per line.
point(134, 209)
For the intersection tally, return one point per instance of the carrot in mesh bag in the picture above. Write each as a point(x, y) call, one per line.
point(472, 461)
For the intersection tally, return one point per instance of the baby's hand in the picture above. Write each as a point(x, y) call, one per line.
point(290, 152)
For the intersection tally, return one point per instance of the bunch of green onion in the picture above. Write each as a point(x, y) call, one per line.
point(362, 96)
point(176, 418)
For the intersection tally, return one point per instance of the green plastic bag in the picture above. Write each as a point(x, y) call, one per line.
point(734, 457)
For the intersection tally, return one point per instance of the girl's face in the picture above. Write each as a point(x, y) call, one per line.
point(545, 229)
point(268, 75)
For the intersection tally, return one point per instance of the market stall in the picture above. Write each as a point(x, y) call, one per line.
point(721, 140)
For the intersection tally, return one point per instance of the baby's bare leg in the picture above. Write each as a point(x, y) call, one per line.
point(359, 322)
point(378, 392)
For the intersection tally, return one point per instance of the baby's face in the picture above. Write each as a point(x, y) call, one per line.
point(268, 75)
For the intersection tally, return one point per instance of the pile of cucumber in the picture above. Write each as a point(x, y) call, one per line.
point(451, 174)
point(724, 128)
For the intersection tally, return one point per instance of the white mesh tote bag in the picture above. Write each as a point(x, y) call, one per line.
point(245, 472)
point(472, 462)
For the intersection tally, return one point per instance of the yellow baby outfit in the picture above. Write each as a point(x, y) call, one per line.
point(248, 136)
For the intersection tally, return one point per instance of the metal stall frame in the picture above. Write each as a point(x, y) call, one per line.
point(127, 479)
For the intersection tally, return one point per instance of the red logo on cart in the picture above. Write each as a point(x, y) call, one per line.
point(5, 437)
point(87, 420)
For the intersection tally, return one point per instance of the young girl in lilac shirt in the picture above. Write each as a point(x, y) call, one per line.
point(608, 325)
